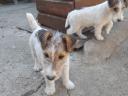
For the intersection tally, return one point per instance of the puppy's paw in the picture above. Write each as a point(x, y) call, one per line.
point(49, 90)
point(37, 68)
point(69, 85)
point(99, 37)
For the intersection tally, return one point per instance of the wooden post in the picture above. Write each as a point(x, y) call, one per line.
point(85, 3)
point(15, 2)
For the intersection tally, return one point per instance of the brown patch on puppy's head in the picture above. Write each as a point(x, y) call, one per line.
point(44, 37)
point(112, 3)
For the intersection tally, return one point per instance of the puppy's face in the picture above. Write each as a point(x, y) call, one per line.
point(56, 48)
point(117, 7)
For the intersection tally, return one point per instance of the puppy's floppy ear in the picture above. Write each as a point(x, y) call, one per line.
point(112, 3)
point(71, 42)
point(126, 3)
point(44, 37)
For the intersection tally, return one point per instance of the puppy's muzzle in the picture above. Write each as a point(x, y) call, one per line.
point(50, 77)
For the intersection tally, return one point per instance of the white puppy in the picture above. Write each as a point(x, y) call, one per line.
point(99, 16)
point(51, 52)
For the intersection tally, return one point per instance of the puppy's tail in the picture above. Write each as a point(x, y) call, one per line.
point(32, 22)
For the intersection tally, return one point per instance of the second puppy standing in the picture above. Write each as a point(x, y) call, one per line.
point(99, 16)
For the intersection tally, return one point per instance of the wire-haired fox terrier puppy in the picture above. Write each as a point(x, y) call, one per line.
point(51, 52)
point(99, 16)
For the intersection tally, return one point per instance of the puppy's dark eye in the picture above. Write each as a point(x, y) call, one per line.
point(116, 9)
point(46, 55)
point(61, 57)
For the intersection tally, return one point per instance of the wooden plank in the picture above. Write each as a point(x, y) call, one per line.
point(54, 7)
point(54, 22)
point(84, 3)
point(15, 2)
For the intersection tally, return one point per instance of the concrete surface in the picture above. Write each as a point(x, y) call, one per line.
point(101, 71)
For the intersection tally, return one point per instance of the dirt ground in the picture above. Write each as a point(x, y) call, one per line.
point(101, 69)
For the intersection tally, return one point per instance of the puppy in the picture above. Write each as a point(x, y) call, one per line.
point(99, 16)
point(51, 52)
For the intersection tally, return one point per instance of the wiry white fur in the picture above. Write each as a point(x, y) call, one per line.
point(42, 63)
point(34, 43)
point(98, 16)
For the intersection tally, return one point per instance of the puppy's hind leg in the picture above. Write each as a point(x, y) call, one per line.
point(108, 27)
point(79, 33)
point(38, 58)
point(65, 77)
point(37, 65)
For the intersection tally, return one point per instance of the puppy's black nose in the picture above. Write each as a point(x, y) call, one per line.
point(119, 20)
point(50, 77)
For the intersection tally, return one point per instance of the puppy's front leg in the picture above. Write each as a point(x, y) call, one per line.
point(37, 66)
point(79, 33)
point(65, 77)
point(108, 27)
point(50, 87)
point(98, 31)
